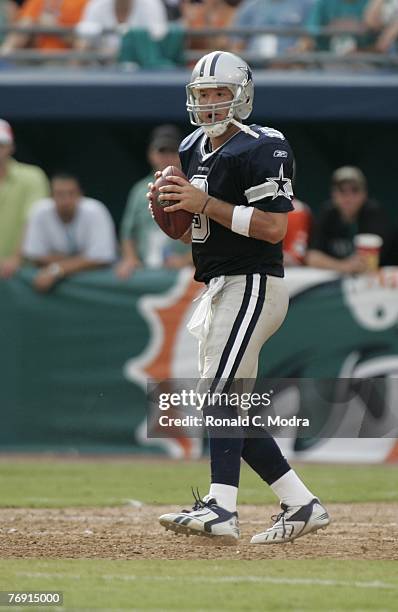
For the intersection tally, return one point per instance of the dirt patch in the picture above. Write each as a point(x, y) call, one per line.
point(358, 531)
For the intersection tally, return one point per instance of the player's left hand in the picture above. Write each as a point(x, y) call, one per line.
point(187, 196)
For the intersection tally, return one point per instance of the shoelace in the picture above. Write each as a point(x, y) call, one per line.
point(281, 517)
point(199, 502)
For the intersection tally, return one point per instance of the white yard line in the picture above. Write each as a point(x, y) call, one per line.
point(342, 523)
point(374, 584)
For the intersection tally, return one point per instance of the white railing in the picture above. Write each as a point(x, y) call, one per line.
point(313, 58)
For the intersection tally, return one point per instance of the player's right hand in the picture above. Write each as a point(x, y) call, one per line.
point(151, 190)
point(156, 175)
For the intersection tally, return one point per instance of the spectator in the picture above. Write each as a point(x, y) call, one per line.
point(68, 233)
point(349, 212)
point(295, 243)
point(208, 14)
point(143, 242)
point(271, 13)
point(8, 11)
point(46, 13)
point(119, 14)
point(382, 17)
point(344, 15)
point(20, 186)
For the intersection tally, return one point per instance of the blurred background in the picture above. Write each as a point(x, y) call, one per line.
point(94, 299)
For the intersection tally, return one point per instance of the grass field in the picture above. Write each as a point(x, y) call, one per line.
point(54, 484)
point(210, 585)
point(194, 584)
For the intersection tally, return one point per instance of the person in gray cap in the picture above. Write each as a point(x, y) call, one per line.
point(348, 213)
point(143, 242)
point(20, 186)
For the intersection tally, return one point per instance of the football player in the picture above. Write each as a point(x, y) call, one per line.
point(240, 190)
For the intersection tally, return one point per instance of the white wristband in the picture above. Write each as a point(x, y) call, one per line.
point(241, 219)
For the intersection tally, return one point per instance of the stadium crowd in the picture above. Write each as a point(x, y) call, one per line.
point(152, 33)
point(55, 227)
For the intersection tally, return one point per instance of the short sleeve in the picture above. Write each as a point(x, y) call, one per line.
point(38, 188)
point(101, 240)
point(130, 215)
point(269, 176)
point(35, 243)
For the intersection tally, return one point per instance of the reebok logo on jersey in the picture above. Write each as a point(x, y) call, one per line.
point(279, 153)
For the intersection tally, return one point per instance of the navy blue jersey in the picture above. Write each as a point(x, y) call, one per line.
point(244, 171)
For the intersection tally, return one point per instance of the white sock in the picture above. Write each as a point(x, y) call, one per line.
point(225, 495)
point(291, 490)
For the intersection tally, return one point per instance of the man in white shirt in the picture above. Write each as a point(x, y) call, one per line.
point(122, 15)
point(68, 233)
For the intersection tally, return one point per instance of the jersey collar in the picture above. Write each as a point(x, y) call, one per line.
point(202, 146)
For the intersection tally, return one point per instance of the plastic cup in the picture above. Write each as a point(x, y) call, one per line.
point(369, 246)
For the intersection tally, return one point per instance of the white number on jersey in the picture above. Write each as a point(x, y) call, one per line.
point(201, 223)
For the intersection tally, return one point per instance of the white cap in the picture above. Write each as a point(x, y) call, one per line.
point(6, 134)
point(349, 174)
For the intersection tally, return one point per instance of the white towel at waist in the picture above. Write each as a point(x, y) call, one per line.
point(199, 324)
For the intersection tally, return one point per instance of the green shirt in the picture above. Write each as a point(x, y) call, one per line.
point(19, 189)
point(151, 244)
point(328, 12)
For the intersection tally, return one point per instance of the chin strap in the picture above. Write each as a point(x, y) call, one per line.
point(209, 131)
point(245, 128)
point(241, 126)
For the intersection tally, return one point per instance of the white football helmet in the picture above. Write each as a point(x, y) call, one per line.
point(221, 69)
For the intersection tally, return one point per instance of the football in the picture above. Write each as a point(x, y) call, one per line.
point(176, 223)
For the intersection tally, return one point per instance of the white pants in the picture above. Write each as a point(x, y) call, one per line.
point(245, 312)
